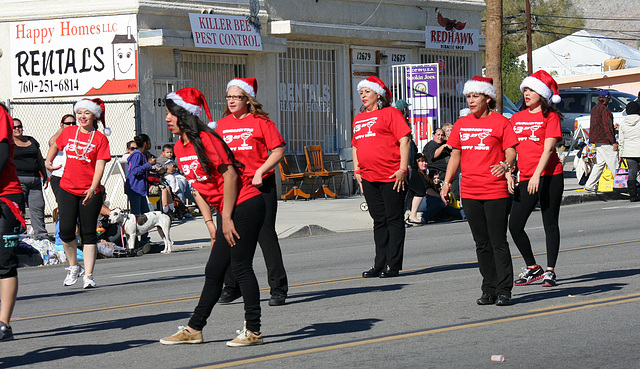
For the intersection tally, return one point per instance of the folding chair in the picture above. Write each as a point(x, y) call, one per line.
point(316, 169)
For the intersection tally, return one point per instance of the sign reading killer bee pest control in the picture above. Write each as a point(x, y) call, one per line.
point(74, 56)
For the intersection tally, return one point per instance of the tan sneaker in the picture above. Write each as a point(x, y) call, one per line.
point(182, 336)
point(246, 338)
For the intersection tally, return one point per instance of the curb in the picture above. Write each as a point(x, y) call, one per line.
point(305, 231)
point(589, 197)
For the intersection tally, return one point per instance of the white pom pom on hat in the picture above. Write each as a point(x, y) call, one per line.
point(192, 100)
point(542, 83)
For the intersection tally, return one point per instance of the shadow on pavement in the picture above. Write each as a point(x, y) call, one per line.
point(97, 327)
point(560, 292)
point(325, 329)
point(337, 292)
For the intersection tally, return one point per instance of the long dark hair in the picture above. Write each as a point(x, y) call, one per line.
point(191, 125)
point(546, 107)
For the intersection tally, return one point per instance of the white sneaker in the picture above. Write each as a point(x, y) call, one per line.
point(88, 281)
point(73, 272)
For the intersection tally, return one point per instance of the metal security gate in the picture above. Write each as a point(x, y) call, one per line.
point(41, 119)
point(455, 69)
point(308, 96)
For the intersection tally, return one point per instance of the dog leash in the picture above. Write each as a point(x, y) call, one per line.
point(121, 232)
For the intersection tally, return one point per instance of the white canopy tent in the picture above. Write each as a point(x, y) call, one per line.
point(581, 53)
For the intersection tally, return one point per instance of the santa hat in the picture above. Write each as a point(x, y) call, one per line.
point(480, 85)
point(191, 100)
point(96, 107)
point(248, 85)
point(542, 83)
point(376, 85)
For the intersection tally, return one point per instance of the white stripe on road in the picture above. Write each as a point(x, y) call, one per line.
point(157, 271)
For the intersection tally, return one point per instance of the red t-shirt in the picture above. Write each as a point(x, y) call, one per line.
point(81, 161)
point(250, 138)
point(211, 189)
point(532, 129)
point(9, 183)
point(483, 142)
point(375, 137)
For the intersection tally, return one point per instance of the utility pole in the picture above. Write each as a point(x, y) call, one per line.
point(493, 53)
point(527, 13)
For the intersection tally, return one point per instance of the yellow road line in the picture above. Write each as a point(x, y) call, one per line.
point(299, 285)
point(602, 302)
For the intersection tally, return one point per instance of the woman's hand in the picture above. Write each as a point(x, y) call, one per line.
point(401, 178)
point(211, 227)
point(88, 195)
point(511, 184)
point(534, 184)
point(257, 179)
point(50, 167)
point(444, 192)
point(229, 231)
point(499, 170)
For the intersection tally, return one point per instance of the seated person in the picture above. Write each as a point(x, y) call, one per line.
point(425, 198)
point(178, 183)
point(437, 153)
point(167, 154)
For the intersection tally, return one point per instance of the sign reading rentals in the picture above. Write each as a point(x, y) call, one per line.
point(224, 32)
point(74, 56)
point(451, 34)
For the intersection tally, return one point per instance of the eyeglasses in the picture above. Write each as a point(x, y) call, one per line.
point(17, 127)
point(69, 123)
point(234, 97)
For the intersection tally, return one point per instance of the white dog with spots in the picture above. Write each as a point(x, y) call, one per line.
point(135, 225)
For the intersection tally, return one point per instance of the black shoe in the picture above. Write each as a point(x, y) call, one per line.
point(486, 299)
point(503, 300)
point(389, 273)
point(372, 273)
point(143, 250)
point(228, 297)
point(277, 300)
point(6, 333)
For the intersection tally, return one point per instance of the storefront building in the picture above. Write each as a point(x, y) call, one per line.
point(308, 57)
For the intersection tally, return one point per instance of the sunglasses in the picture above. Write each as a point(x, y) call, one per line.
point(69, 123)
point(17, 127)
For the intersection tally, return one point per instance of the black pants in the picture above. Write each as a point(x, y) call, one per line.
point(71, 210)
point(268, 240)
point(54, 181)
point(248, 217)
point(550, 196)
point(386, 207)
point(9, 225)
point(488, 222)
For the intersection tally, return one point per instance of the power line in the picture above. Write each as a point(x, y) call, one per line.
point(594, 37)
point(587, 18)
point(585, 28)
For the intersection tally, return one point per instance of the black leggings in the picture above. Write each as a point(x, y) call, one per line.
point(9, 225)
point(488, 222)
point(268, 240)
point(550, 196)
point(71, 210)
point(248, 217)
point(386, 207)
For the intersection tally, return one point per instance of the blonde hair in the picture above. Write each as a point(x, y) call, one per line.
point(255, 107)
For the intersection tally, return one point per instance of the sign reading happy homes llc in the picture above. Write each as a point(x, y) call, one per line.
point(74, 56)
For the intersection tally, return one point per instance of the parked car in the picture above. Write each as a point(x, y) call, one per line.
point(576, 107)
point(508, 107)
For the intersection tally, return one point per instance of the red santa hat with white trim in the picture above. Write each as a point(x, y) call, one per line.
point(376, 85)
point(96, 107)
point(480, 85)
point(191, 100)
point(542, 83)
point(248, 85)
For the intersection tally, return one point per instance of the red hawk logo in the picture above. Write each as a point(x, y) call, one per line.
point(450, 24)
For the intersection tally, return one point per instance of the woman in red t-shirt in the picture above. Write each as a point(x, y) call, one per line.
point(213, 172)
point(79, 198)
point(256, 143)
point(538, 130)
point(381, 158)
point(484, 147)
point(11, 208)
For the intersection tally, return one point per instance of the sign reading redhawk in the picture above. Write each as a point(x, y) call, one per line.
point(451, 34)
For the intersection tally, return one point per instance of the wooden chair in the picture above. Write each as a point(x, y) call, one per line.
point(315, 166)
point(286, 175)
